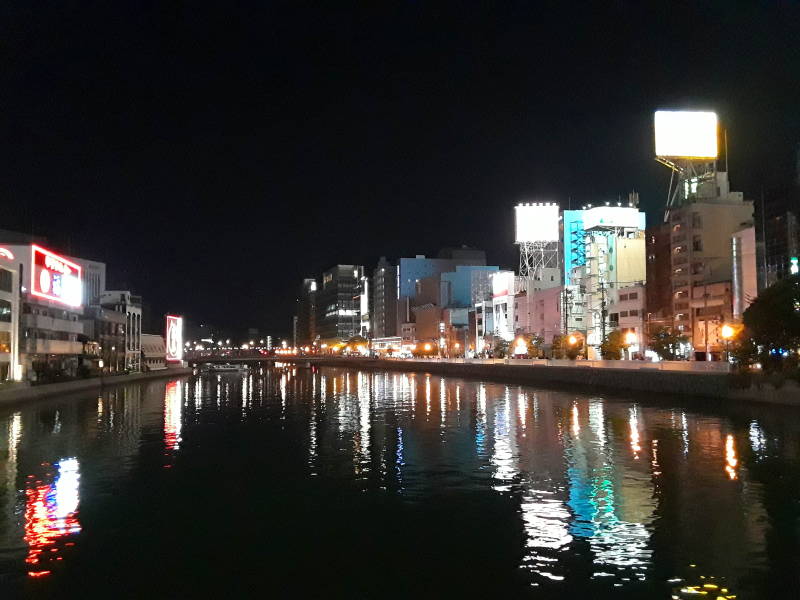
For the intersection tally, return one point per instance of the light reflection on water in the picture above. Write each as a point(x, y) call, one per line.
point(609, 493)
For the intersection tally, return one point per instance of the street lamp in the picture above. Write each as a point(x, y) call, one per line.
point(572, 340)
point(727, 332)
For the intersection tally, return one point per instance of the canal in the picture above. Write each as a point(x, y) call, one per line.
point(302, 482)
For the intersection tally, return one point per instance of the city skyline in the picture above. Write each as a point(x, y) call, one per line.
point(155, 157)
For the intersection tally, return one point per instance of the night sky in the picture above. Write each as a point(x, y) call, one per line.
point(213, 155)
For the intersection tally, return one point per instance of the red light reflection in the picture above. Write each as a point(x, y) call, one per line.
point(50, 515)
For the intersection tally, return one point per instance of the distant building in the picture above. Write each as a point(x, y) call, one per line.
point(106, 327)
point(154, 352)
point(130, 305)
point(384, 300)
point(658, 305)
point(781, 245)
point(338, 303)
point(412, 270)
point(745, 270)
point(306, 312)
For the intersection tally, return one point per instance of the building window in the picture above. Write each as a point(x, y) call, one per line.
point(623, 297)
point(697, 244)
point(697, 221)
point(5, 341)
point(633, 295)
point(634, 313)
point(5, 311)
point(623, 313)
point(5, 280)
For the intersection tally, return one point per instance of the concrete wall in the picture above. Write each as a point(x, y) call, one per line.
point(22, 393)
point(620, 380)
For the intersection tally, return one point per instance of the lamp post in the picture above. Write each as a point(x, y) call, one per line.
point(727, 333)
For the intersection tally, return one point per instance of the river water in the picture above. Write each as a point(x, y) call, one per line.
point(292, 482)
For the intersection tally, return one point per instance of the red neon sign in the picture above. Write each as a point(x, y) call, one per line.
point(6, 253)
point(54, 277)
point(174, 338)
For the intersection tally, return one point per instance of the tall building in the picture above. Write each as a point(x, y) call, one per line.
point(339, 302)
point(615, 259)
point(702, 225)
point(306, 312)
point(384, 299)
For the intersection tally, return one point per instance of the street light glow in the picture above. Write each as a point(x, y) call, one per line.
point(572, 340)
point(727, 332)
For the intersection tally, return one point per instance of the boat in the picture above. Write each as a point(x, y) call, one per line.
point(224, 368)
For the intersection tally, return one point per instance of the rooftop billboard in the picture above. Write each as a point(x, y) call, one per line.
point(536, 222)
point(686, 134)
point(55, 278)
point(611, 216)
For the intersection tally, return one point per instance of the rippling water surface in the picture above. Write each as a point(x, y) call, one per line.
point(310, 483)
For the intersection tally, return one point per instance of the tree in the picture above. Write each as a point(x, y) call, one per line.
point(666, 343)
point(612, 346)
point(772, 322)
point(558, 347)
point(534, 345)
point(500, 348)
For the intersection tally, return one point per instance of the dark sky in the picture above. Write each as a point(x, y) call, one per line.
point(213, 155)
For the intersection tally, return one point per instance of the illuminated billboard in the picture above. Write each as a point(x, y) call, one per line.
point(55, 278)
point(611, 216)
point(174, 338)
point(536, 222)
point(6, 253)
point(502, 284)
point(686, 134)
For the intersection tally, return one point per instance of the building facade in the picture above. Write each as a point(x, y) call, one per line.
point(701, 227)
point(338, 303)
point(130, 305)
point(9, 317)
point(384, 300)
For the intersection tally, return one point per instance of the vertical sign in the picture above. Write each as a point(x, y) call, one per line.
point(174, 338)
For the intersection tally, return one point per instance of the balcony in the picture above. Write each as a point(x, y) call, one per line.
point(33, 346)
point(51, 324)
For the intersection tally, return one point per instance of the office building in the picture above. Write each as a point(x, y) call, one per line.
point(338, 303)
point(384, 300)
point(306, 312)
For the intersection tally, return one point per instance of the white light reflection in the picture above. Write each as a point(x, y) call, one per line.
point(427, 396)
point(503, 455)
point(758, 440)
point(442, 401)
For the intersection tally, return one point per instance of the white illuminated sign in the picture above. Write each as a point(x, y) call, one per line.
point(55, 278)
point(174, 338)
point(610, 216)
point(6, 253)
point(502, 284)
point(686, 134)
point(536, 222)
